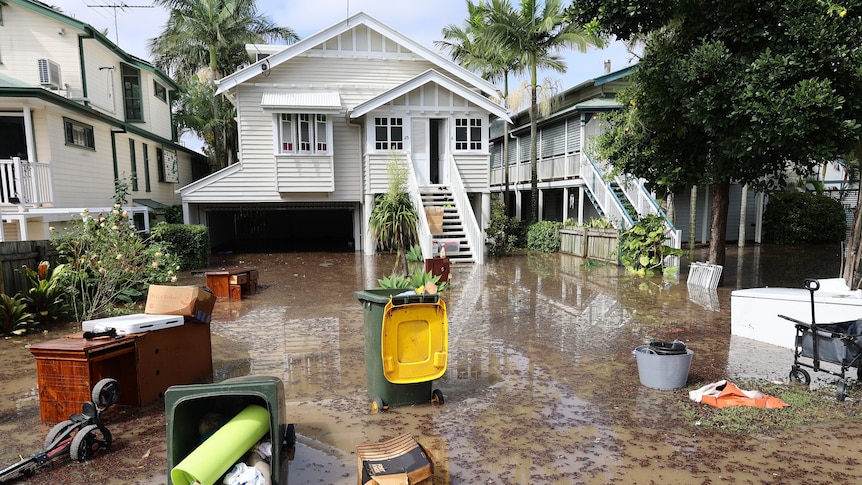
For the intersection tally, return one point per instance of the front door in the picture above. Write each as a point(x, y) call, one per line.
point(419, 151)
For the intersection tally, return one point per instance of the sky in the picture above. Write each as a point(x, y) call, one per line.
point(134, 26)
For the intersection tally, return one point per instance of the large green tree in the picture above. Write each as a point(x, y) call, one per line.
point(202, 41)
point(537, 32)
point(733, 92)
point(475, 46)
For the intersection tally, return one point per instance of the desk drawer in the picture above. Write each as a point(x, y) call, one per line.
point(239, 279)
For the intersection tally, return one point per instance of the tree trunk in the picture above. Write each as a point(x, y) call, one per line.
point(718, 226)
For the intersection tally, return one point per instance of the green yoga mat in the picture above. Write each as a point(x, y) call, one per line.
point(209, 461)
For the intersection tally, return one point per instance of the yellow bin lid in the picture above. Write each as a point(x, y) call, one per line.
point(415, 342)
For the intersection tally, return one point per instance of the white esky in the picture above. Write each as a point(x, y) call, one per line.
point(422, 21)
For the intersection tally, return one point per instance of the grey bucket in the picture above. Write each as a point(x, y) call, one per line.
point(662, 371)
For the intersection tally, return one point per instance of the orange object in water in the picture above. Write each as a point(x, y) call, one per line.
point(723, 394)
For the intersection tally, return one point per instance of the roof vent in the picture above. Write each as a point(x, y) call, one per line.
point(49, 73)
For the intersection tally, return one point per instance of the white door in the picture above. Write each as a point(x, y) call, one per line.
point(419, 143)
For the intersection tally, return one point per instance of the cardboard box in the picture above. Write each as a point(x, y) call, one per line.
point(435, 219)
point(192, 302)
point(399, 461)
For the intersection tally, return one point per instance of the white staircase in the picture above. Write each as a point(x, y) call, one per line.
point(453, 224)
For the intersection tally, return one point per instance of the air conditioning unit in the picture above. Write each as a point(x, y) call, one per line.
point(49, 73)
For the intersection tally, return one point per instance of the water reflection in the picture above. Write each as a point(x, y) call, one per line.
point(541, 385)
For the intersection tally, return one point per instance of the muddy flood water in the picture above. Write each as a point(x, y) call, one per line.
point(541, 385)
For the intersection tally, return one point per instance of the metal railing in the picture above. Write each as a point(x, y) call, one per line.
point(604, 196)
point(25, 184)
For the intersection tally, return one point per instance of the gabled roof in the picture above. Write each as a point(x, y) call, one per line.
point(429, 76)
point(361, 18)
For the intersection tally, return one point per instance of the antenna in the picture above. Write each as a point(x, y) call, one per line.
point(121, 6)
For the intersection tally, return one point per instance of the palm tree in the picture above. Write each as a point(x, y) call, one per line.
point(536, 33)
point(476, 47)
point(206, 39)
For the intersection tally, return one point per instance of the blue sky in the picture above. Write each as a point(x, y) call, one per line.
point(422, 21)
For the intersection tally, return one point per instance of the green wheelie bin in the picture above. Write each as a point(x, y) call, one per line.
point(381, 390)
point(190, 409)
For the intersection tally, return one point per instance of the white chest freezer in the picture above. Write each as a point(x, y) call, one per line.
point(135, 323)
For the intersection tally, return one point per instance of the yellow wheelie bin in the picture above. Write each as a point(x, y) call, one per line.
point(406, 346)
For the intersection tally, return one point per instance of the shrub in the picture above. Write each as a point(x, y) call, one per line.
point(108, 262)
point(45, 299)
point(189, 242)
point(544, 236)
point(174, 214)
point(415, 280)
point(501, 236)
point(803, 218)
point(13, 314)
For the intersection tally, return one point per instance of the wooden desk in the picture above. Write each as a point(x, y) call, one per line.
point(145, 365)
point(232, 282)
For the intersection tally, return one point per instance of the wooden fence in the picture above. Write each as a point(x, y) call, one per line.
point(591, 243)
point(14, 255)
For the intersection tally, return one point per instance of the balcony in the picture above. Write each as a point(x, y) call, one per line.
point(25, 184)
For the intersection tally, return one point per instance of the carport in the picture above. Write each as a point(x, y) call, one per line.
point(284, 227)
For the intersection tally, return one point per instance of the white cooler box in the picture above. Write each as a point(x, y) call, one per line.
point(136, 323)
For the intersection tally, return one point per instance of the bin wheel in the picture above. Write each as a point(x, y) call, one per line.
point(437, 397)
point(88, 440)
point(58, 430)
point(377, 405)
point(841, 390)
point(799, 376)
point(290, 436)
point(106, 393)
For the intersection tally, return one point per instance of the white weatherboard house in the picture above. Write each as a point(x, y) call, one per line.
point(320, 122)
point(76, 113)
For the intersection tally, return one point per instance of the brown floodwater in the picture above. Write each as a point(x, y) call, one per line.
point(541, 385)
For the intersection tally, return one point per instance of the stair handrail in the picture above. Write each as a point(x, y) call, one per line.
point(424, 231)
point(608, 201)
point(471, 226)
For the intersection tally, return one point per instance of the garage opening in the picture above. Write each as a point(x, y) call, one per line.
point(281, 229)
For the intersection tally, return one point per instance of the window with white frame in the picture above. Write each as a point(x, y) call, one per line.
point(388, 133)
point(468, 133)
point(303, 133)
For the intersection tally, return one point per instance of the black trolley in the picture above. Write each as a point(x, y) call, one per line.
point(838, 343)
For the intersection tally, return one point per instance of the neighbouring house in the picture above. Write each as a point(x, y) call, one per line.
point(78, 113)
point(321, 120)
point(575, 185)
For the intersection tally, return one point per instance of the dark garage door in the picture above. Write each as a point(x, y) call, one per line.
point(281, 229)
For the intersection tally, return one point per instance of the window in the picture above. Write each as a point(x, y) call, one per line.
point(132, 94)
point(160, 91)
point(146, 167)
point(79, 134)
point(303, 134)
point(134, 160)
point(160, 163)
point(388, 134)
point(468, 133)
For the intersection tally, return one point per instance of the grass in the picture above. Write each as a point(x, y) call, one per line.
point(806, 406)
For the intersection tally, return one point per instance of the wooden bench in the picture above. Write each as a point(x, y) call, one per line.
point(232, 282)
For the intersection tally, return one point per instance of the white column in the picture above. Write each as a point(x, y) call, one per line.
point(369, 245)
point(565, 204)
point(743, 207)
point(486, 211)
point(541, 203)
point(518, 204)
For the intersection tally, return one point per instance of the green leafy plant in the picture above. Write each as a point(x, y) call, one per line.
point(45, 299)
point(544, 236)
point(393, 217)
point(13, 315)
point(415, 280)
point(643, 248)
point(803, 218)
point(189, 242)
point(501, 236)
point(108, 262)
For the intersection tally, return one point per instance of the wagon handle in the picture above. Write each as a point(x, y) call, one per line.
point(811, 285)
